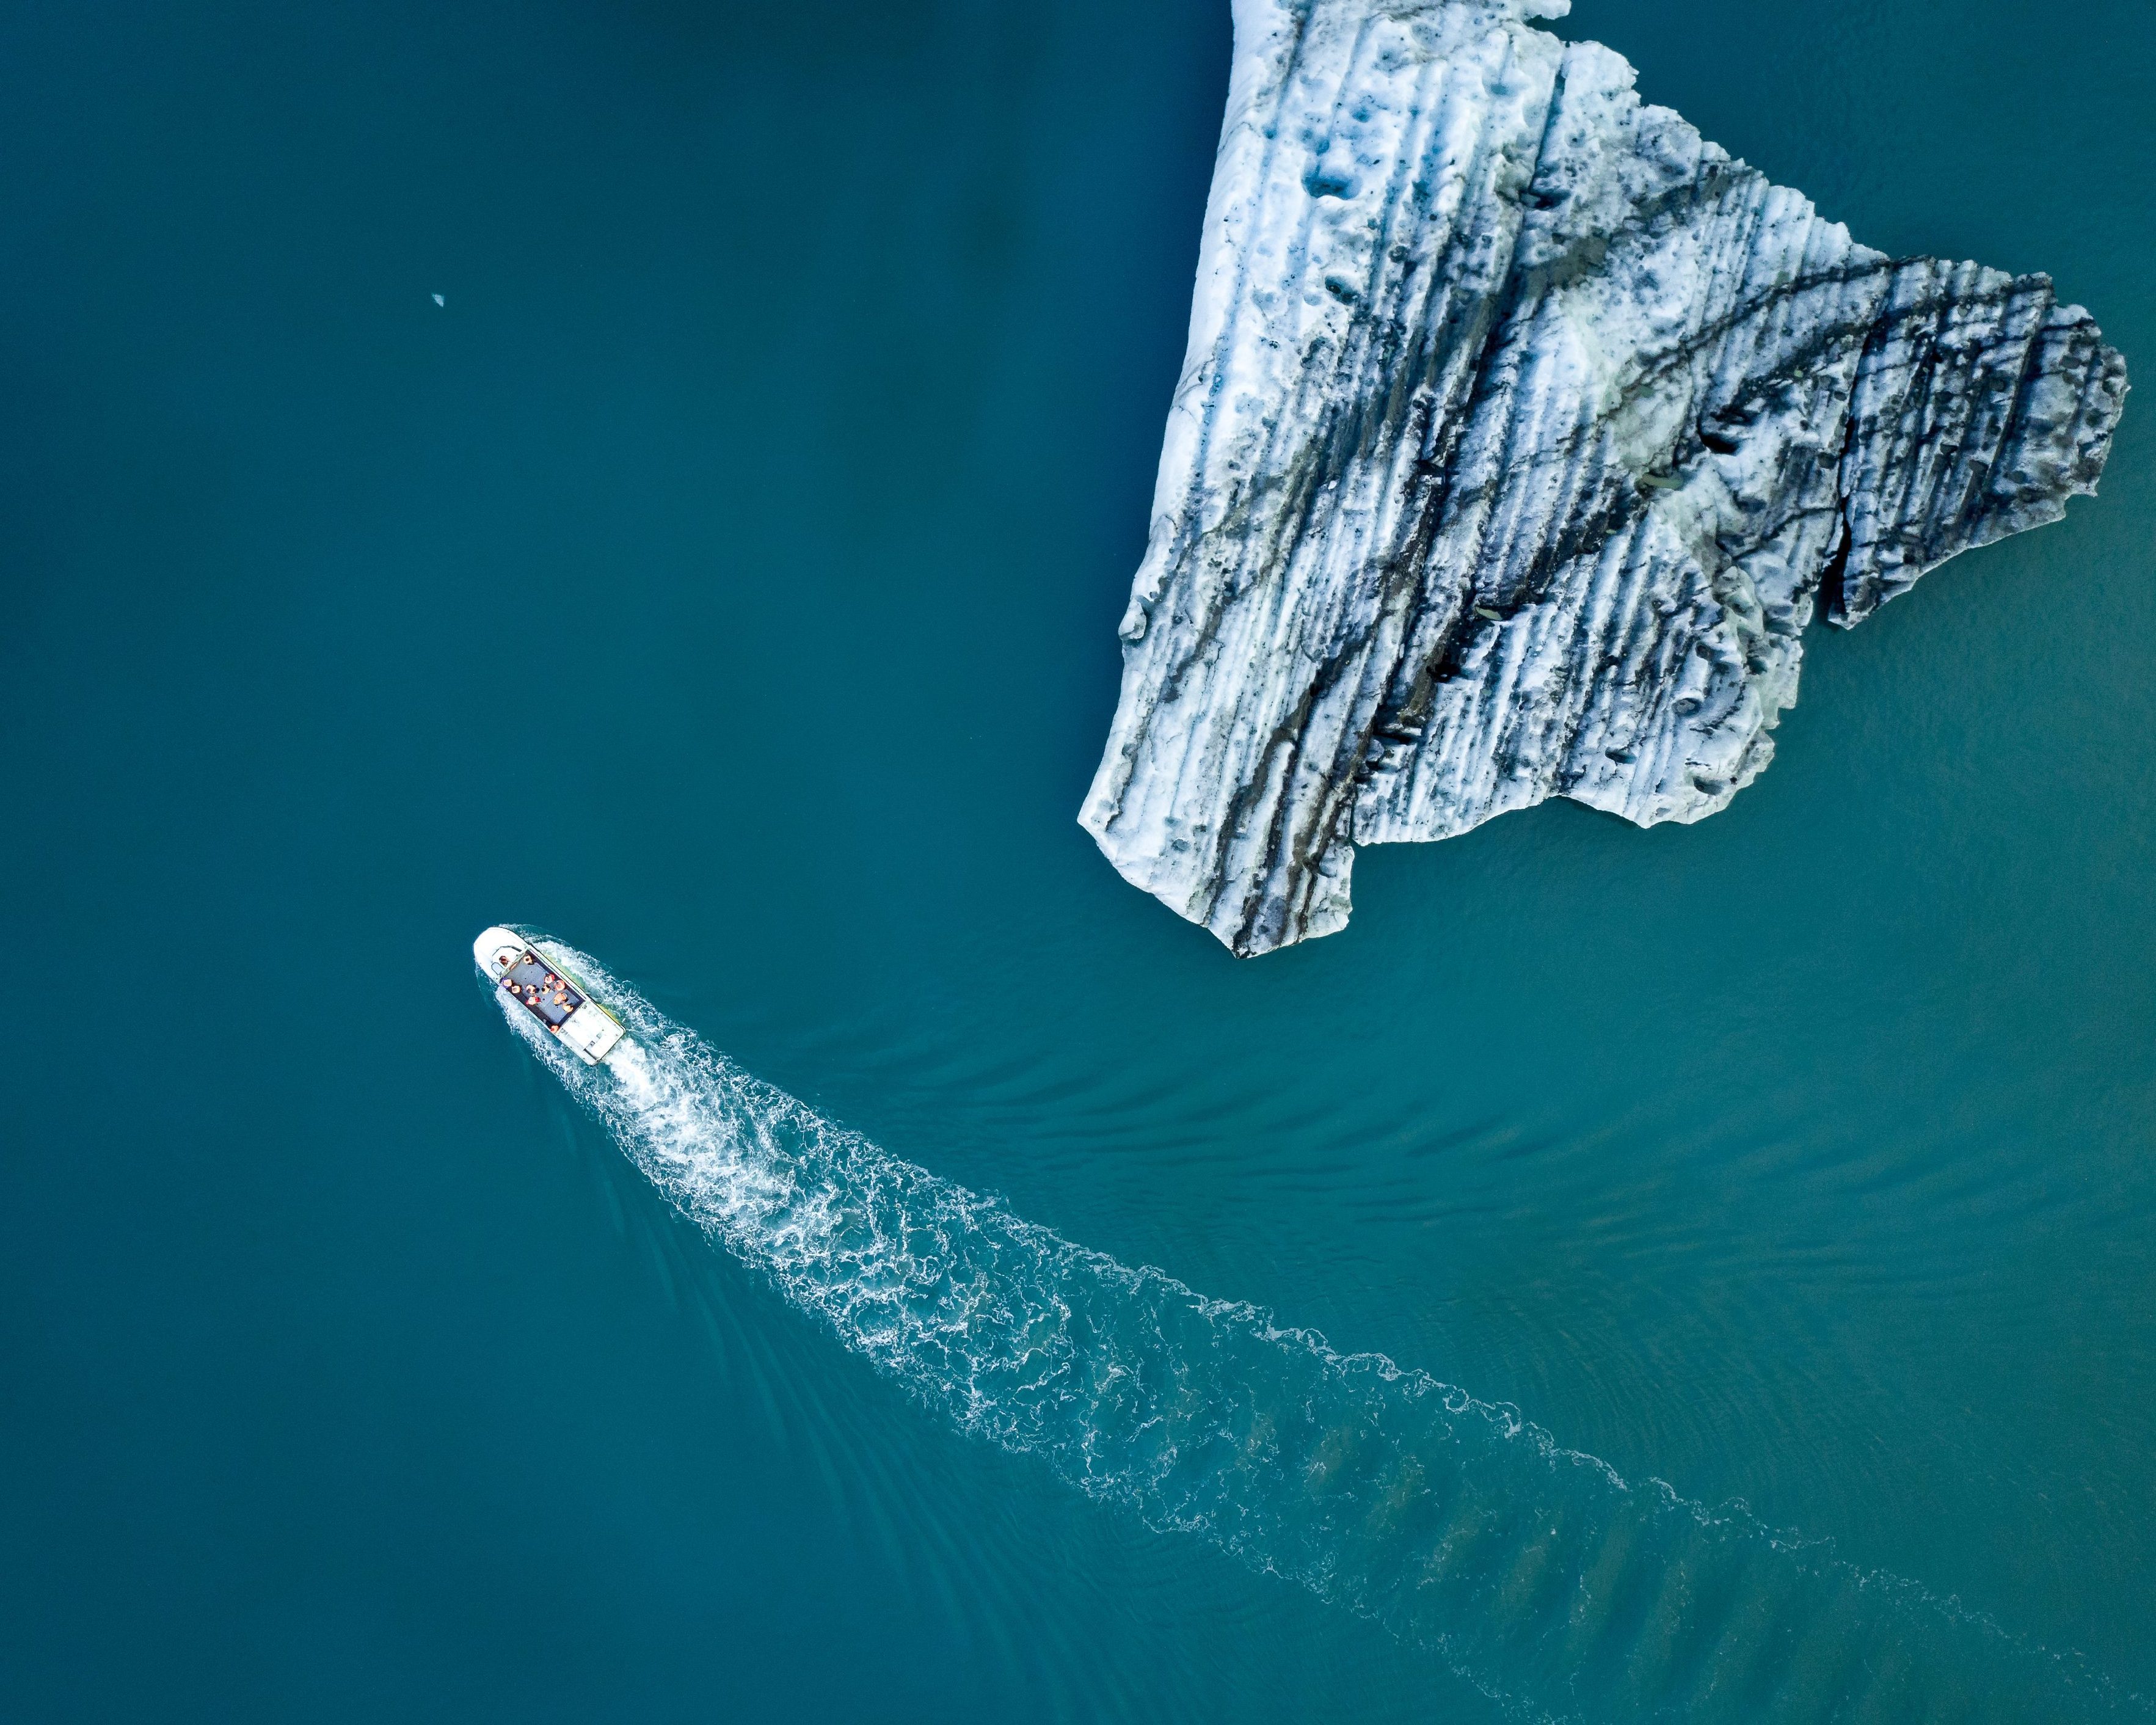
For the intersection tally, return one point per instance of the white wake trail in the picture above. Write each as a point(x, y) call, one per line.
point(1538, 1573)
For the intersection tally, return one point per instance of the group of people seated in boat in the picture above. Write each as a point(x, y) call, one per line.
point(550, 1000)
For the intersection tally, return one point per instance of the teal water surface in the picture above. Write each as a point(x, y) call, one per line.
point(724, 575)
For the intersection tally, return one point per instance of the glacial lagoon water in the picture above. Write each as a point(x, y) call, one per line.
point(723, 575)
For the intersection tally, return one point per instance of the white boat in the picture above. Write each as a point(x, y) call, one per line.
point(536, 980)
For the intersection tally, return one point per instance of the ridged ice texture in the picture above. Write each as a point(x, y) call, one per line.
point(1521, 434)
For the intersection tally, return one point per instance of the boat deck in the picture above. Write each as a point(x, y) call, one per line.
point(543, 991)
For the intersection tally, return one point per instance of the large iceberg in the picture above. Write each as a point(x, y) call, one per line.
point(1521, 434)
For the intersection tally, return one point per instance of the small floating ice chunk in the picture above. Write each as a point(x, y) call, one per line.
point(439, 300)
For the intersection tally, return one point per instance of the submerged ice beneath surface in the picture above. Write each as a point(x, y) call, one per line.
point(1521, 434)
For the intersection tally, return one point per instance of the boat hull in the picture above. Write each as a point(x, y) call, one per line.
point(531, 973)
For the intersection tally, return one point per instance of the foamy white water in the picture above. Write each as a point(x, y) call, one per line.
point(1544, 1577)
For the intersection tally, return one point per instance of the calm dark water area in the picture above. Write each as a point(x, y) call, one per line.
point(725, 577)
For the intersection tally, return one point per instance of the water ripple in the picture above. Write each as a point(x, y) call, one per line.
point(1550, 1581)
